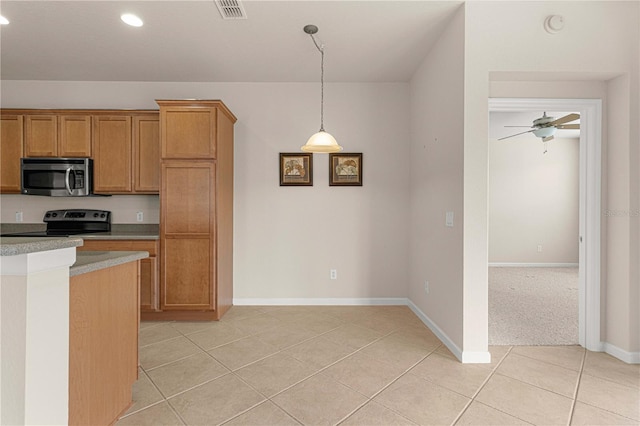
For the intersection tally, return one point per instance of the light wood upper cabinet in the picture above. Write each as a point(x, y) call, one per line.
point(11, 150)
point(188, 132)
point(124, 144)
point(146, 149)
point(41, 133)
point(53, 135)
point(112, 154)
point(74, 136)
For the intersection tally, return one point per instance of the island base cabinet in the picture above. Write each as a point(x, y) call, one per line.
point(149, 282)
point(103, 343)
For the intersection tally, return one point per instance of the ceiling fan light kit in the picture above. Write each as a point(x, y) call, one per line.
point(544, 132)
point(321, 142)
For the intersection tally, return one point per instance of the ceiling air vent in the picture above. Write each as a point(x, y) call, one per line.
point(231, 9)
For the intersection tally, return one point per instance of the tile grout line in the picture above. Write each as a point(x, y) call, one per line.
point(545, 361)
point(327, 367)
point(405, 372)
point(230, 371)
point(577, 388)
point(269, 398)
point(482, 385)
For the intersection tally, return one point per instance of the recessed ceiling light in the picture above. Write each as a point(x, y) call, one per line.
point(3, 20)
point(131, 19)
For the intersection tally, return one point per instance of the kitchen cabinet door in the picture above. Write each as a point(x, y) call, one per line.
point(41, 135)
point(188, 132)
point(74, 136)
point(112, 154)
point(146, 149)
point(188, 197)
point(187, 273)
point(11, 150)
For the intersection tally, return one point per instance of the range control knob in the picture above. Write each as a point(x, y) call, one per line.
point(95, 215)
point(102, 215)
point(47, 215)
point(54, 214)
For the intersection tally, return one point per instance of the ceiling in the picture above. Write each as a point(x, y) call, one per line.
point(188, 41)
point(499, 119)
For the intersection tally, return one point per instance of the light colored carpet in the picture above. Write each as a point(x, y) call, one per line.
point(533, 306)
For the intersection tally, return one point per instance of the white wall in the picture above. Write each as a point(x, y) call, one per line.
point(599, 42)
point(533, 200)
point(437, 112)
point(286, 239)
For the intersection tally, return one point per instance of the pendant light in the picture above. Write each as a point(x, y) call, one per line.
point(322, 141)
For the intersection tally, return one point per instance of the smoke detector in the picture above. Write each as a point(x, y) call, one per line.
point(231, 9)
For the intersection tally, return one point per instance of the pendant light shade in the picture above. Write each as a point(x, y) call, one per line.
point(321, 142)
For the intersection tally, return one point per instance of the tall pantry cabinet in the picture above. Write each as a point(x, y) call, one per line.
point(196, 209)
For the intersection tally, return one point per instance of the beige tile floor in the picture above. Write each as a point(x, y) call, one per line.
point(363, 366)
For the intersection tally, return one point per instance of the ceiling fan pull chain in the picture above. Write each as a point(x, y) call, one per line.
point(545, 148)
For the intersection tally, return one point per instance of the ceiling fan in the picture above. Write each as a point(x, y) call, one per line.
point(545, 127)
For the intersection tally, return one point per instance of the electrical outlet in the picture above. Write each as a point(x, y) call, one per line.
point(18, 216)
point(333, 274)
point(539, 248)
point(139, 216)
point(426, 287)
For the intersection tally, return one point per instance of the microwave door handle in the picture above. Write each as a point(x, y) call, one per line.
point(67, 174)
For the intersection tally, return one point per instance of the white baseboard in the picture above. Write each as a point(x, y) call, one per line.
point(374, 301)
point(533, 265)
point(436, 330)
point(621, 354)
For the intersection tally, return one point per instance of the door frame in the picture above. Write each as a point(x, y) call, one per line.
point(589, 251)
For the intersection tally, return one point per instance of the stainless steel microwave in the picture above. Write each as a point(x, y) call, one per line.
point(56, 177)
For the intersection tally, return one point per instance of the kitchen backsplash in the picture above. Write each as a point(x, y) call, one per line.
point(124, 208)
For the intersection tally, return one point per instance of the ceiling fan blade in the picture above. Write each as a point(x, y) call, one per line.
point(569, 126)
point(522, 133)
point(548, 138)
point(565, 119)
point(518, 126)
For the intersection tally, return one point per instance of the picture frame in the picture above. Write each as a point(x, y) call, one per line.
point(345, 169)
point(296, 169)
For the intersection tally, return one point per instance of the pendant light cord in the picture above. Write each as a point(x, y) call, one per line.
point(321, 50)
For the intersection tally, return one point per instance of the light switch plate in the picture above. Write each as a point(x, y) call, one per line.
point(449, 219)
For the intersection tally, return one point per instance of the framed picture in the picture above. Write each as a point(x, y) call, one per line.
point(296, 169)
point(345, 169)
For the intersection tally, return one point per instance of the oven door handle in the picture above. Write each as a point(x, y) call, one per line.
point(67, 183)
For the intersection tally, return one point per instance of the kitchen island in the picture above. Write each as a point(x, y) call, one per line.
point(66, 318)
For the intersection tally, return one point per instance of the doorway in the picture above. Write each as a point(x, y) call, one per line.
point(589, 203)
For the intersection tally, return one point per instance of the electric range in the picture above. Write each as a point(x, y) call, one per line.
point(63, 223)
